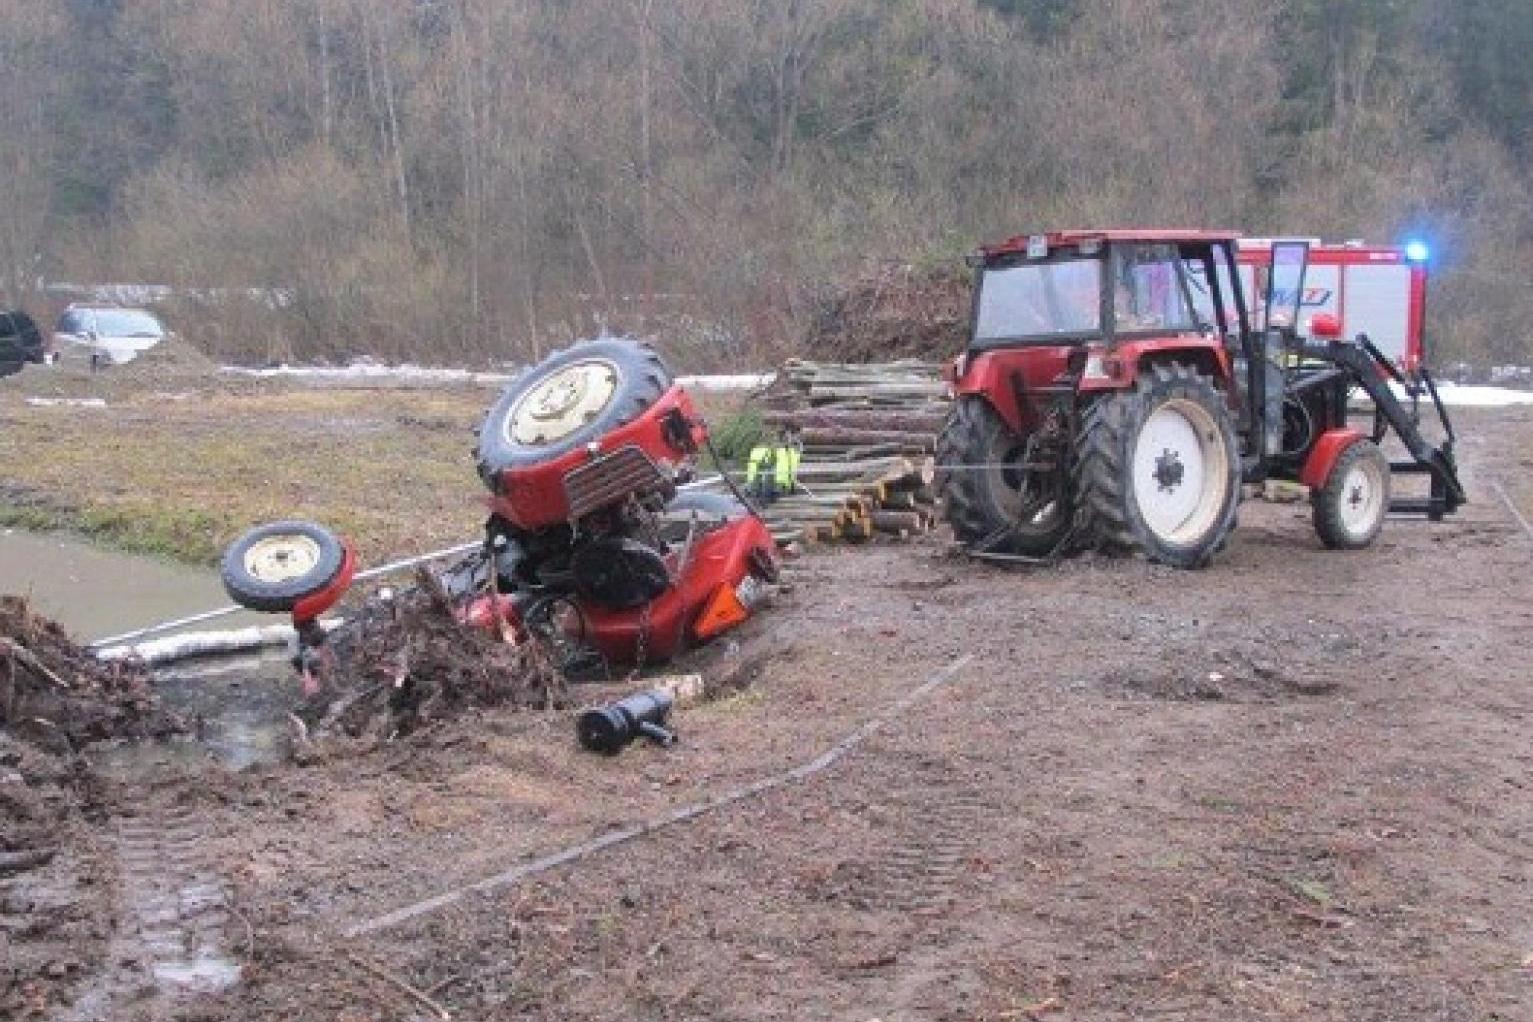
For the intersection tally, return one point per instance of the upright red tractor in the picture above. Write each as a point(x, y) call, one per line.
point(1115, 395)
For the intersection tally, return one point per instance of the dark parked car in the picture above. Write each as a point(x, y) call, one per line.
point(20, 342)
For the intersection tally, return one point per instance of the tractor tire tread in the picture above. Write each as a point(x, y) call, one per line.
point(1104, 509)
point(1326, 500)
point(965, 439)
point(648, 381)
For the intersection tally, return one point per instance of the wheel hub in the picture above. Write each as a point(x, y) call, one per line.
point(282, 558)
point(562, 403)
point(1169, 470)
point(1361, 496)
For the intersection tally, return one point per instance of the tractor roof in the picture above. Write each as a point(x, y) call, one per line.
point(1019, 243)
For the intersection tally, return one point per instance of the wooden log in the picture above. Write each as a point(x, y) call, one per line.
point(20, 862)
point(873, 391)
point(858, 453)
point(921, 474)
point(860, 529)
point(873, 469)
point(812, 418)
point(892, 520)
point(829, 505)
point(851, 436)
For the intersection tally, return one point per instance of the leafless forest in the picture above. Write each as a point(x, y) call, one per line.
point(461, 180)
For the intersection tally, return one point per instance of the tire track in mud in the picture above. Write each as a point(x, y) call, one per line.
point(933, 850)
point(176, 903)
point(173, 917)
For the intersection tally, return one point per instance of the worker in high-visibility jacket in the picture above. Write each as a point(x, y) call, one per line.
point(771, 471)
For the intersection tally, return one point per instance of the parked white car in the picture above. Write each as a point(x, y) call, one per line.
point(105, 335)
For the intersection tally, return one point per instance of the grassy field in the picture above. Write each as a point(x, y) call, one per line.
point(177, 466)
point(181, 474)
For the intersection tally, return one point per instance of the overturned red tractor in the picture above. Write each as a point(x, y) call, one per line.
point(591, 542)
point(1115, 395)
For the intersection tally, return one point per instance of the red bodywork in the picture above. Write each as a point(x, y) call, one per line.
point(993, 375)
point(1001, 376)
point(1322, 457)
point(721, 558)
point(535, 498)
point(311, 607)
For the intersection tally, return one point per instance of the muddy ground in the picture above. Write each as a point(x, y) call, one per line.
point(1297, 785)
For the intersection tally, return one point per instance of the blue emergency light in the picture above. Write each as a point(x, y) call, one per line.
point(1417, 251)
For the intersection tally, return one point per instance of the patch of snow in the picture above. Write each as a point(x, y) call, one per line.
point(1455, 395)
point(738, 381)
point(68, 402)
point(363, 371)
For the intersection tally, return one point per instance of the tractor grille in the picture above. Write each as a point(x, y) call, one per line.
point(610, 479)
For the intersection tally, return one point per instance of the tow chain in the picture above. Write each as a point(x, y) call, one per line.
point(641, 648)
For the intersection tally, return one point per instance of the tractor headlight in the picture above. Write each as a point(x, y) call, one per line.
point(1094, 369)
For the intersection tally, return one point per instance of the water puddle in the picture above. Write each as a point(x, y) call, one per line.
point(237, 705)
point(94, 592)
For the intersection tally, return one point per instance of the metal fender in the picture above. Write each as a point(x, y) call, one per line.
point(312, 606)
point(1322, 457)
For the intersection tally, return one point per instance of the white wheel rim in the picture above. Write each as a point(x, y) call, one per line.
point(282, 558)
point(1362, 498)
point(1180, 471)
point(562, 403)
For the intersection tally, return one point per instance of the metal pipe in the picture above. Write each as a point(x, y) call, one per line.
point(209, 615)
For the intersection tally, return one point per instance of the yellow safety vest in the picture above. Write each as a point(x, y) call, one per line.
point(783, 462)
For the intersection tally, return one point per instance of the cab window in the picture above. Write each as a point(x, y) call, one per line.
point(1150, 290)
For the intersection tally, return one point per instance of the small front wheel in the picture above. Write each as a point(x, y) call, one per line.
point(275, 567)
point(1351, 505)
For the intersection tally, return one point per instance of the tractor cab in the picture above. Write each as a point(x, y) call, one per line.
point(1097, 288)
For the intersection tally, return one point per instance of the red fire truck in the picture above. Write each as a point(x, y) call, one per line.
point(1378, 290)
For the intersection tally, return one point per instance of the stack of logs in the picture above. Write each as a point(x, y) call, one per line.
point(868, 434)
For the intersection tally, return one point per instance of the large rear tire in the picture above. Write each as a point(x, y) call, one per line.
point(987, 502)
point(1158, 470)
point(1350, 507)
point(570, 398)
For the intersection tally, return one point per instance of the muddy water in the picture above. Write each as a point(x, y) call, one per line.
point(95, 592)
point(239, 704)
point(171, 936)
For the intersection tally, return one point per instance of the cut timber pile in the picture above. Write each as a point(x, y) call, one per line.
point(868, 432)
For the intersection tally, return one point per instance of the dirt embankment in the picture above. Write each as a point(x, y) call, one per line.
point(59, 696)
point(892, 311)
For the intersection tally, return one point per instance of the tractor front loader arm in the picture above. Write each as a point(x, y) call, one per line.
point(1368, 368)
